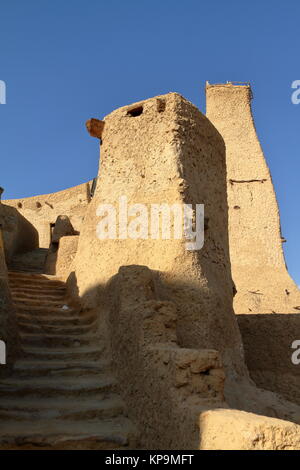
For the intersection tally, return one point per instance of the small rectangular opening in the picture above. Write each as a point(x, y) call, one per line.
point(134, 112)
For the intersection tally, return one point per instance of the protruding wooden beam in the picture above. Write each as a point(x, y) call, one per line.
point(95, 127)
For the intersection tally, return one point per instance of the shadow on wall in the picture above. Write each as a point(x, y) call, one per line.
point(205, 317)
point(165, 380)
point(19, 235)
point(8, 320)
point(163, 384)
point(268, 348)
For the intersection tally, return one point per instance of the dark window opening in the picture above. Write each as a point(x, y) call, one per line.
point(135, 111)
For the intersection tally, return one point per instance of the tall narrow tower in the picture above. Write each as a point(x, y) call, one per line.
point(258, 266)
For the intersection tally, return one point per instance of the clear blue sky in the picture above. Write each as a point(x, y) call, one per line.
point(66, 61)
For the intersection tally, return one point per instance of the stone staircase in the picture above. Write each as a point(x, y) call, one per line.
point(61, 394)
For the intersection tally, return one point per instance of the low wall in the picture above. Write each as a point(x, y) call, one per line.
point(42, 211)
point(60, 260)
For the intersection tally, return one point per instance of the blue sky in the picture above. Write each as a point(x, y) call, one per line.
point(66, 61)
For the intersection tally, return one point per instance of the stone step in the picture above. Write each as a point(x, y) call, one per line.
point(37, 295)
point(57, 329)
point(42, 302)
point(114, 433)
point(43, 286)
point(65, 408)
point(32, 276)
point(34, 368)
point(46, 353)
point(19, 268)
point(24, 276)
point(35, 282)
point(59, 321)
point(38, 292)
point(30, 303)
point(16, 265)
point(44, 310)
point(57, 341)
point(56, 386)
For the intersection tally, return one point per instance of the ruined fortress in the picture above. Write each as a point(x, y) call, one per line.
point(139, 343)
